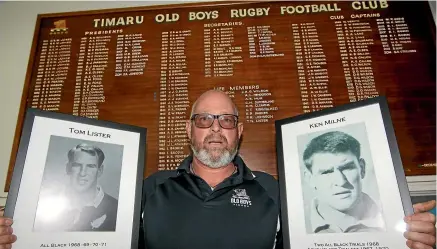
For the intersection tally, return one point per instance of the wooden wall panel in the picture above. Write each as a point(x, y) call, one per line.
point(144, 66)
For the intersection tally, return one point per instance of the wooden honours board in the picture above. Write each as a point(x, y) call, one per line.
point(145, 66)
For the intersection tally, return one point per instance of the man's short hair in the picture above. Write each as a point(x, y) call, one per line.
point(92, 150)
point(332, 142)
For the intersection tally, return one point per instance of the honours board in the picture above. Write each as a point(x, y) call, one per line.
point(145, 66)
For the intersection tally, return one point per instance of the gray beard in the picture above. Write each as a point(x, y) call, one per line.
point(206, 158)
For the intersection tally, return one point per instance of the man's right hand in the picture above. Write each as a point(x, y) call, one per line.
point(6, 233)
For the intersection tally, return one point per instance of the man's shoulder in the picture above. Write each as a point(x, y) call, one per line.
point(109, 199)
point(265, 178)
point(109, 203)
point(157, 178)
point(160, 176)
point(269, 183)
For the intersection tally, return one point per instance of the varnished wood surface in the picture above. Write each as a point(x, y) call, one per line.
point(407, 80)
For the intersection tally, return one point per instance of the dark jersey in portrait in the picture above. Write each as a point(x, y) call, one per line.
point(100, 215)
point(100, 218)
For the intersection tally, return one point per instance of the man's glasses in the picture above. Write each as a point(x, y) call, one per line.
point(205, 120)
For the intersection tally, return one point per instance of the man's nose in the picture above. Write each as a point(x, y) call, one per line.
point(339, 178)
point(83, 171)
point(215, 126)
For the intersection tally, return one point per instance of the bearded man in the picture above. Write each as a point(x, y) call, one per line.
point(213, 200)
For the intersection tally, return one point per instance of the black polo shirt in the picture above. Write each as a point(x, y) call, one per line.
point(180, 210)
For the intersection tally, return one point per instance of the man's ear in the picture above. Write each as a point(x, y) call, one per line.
point(308, 177)
point(362, 163)
point(100, 170)
point(240, 130)
point(188, 128)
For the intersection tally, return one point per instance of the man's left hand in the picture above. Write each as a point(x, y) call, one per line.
point(421, 228)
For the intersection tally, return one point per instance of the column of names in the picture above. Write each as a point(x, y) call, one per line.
point(220, 54)
point(261, 42)
point(173, 99)
point(394, 34)
point(312, 68)
point(259, 104)
point(52, 72)
point(356, 58)
point(92, 63)
point(130, 60)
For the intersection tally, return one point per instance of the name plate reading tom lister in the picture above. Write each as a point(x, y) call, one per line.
point(89, 133)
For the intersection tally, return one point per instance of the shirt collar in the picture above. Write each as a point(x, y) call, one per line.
point(94, 203)
point(242, 170)
point(99, 197)
point(372, 218)
point(97, 200)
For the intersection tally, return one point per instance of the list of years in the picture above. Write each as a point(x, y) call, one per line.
point(53, 68)
point(312, 69)
point(220, 52)
point(395, 35)
point(130, 60)
point(91, 65)
point(174, 101)
point(354, 39)
point(261, 42)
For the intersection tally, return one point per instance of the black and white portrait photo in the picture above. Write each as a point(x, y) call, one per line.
point(80, 186)
point(340, 191)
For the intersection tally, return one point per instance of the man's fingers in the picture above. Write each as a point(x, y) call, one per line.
point(424, 206)
point(7, 246)
point(6, 230)
point(8, 239)
point(425, 217)
point(420, 238)
point(417, 245)
point(5, 221)
point(421, 227)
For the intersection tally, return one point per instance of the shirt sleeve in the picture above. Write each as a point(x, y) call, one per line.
point(142, 235)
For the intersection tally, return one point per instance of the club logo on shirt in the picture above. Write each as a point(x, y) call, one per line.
point(240, 198)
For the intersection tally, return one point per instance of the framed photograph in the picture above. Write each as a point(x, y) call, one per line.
point(341, 179)
point(77, 183)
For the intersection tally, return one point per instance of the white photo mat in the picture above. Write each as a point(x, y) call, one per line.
point(31, 179)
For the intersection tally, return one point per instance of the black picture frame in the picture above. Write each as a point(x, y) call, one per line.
point(288, 208)
point(135, 138)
